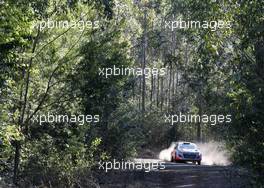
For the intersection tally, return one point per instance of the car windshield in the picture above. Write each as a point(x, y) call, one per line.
point(187, 146)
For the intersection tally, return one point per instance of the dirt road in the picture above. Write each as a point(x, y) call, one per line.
point(177, 175)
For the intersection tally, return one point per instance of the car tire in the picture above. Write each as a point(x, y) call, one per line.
point(199, 162)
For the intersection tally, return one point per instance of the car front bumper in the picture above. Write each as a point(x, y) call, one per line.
point(188, 157)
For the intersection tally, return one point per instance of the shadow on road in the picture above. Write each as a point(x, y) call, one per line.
point(177, 175)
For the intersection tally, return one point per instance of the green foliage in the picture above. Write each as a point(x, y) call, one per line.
point(56, 71)
point(48, 163)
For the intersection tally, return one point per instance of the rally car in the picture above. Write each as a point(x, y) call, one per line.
point(185, 152)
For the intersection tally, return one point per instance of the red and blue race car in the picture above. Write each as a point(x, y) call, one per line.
point(186, 151)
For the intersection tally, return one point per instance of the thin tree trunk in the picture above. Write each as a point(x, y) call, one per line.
point(199, 134)
point(144, 63)
point(169, 94)
point(139, 98)
point(162, 93)
point(151, 90)
point(173, 90)
point(158, 90)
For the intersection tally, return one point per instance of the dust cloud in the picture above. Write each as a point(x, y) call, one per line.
point(165, 154)
point(213, 153)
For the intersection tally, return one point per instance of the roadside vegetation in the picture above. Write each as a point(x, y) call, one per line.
point(55, 71)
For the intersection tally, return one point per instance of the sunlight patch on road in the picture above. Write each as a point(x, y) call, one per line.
point(187, 185)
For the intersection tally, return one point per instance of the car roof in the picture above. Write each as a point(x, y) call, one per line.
point(186, 143)
point(182, 143)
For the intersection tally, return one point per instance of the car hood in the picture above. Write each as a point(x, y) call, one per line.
point(190, 150)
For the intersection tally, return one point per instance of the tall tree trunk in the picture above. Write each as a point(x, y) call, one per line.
point(169, 94)
point(173, 90)
point(151, 90)
point(162, 93)
point(199, 124)
point(139, 98)
point(22, 113)
point(158, 90)
point(16, 161)
point(177, 82)
point(144, 62)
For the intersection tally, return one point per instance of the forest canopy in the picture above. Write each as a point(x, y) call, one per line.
point(89, 80)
